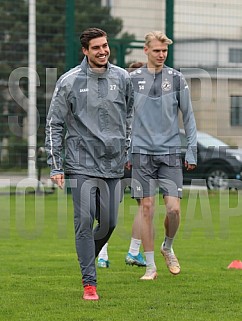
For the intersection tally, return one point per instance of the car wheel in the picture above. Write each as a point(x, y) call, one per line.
point(217, 179)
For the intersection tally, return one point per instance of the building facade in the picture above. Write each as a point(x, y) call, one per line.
point(207, 48)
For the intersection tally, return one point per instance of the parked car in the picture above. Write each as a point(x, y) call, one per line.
point(219, 166)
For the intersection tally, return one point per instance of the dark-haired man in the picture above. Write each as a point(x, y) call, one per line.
point(92, 103)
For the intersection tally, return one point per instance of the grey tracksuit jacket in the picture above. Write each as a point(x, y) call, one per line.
point(95, 112)
point(158, 99)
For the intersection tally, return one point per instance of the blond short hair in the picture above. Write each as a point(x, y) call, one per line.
point(158, 35)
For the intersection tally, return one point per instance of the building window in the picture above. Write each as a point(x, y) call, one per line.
point(236, 111)
point(235, 55)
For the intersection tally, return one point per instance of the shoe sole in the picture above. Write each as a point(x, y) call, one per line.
point(135, 263)
point(149, 277)
point(91, 299)
point(174, 273)
point(103, 266)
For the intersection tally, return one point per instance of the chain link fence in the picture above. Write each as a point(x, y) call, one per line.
point(207, 48)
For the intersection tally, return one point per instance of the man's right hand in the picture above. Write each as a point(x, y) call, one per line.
point(128, 165)
point(58, 180)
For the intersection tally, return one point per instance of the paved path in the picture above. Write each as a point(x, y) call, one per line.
point(7, 180)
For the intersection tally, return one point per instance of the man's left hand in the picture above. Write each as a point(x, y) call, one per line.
point(189, 167)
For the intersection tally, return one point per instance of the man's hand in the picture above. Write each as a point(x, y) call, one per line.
point(58, 180)
point(189, 167)
point(128, 165)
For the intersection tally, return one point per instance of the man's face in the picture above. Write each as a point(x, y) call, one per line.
point(156, 53)
point(98, 52)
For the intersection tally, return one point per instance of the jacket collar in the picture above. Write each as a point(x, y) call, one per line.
point(145, 69)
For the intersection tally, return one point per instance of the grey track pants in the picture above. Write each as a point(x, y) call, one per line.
point(93, 198)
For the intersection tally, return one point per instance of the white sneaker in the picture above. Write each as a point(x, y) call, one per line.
point(150, 274)
point(171, 261)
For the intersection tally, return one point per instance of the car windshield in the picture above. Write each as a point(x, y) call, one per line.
point(207, 140)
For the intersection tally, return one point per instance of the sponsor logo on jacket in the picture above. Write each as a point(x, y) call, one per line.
point(83, 90)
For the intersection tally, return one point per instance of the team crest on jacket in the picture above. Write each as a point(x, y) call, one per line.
point(166, 85)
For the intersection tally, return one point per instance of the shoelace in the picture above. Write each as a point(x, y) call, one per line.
point(90, 290)
point(172, 259)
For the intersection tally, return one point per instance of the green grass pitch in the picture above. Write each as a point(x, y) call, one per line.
point(40, 278)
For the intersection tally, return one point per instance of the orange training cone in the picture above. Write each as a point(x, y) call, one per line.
point(236, 264)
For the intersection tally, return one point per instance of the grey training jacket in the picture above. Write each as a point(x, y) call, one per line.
point(158, 99)
point(94, 111)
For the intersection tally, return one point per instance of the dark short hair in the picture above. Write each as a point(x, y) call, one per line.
point(89, 34)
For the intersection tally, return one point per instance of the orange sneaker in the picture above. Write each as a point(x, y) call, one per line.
point(171, 261)
point(150, 274)
point(90, 293)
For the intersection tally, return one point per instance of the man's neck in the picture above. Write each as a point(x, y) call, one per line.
point(97, 69)
point(152, 69)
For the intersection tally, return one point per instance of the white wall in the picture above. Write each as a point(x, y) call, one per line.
point(193, 19)
point(206, 18)
point(205, 53)
point(139, 16)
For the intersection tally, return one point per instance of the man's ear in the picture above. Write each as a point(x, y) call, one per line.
point(85, 51)
point(145, 49)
